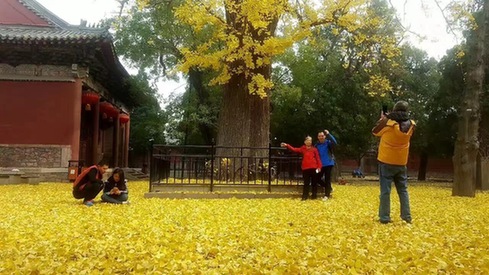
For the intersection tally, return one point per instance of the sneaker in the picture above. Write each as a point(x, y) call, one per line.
point(325, 198)
point(88, 203)
point(125, 202)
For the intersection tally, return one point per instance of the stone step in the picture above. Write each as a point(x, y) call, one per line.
point(135, 174)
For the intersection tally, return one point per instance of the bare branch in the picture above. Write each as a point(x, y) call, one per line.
point(400, 22)
point(442, 10)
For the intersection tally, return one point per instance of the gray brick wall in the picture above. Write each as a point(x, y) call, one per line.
point(34, 156)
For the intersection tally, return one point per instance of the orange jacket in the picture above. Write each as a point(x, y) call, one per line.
point(394, 144)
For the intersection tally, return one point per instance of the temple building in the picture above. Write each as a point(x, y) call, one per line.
point(63, 91)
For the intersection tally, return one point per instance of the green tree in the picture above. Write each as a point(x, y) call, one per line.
point(190, 122)
point(150, 39)
point(329, 84)
point(147, 119)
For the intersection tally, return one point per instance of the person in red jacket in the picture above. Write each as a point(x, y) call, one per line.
point(89, 183)
point(311, 165)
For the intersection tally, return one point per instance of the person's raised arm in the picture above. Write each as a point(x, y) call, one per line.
point(330, 137)
point(293, 149)
point(381, 123)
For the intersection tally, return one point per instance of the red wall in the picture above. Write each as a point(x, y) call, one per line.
point(40, 113)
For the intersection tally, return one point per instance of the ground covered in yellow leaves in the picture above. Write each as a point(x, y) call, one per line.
point(43, 230)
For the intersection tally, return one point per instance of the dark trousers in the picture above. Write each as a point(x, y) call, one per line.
point(326, 183)
point(89, 191)
point(309, 176)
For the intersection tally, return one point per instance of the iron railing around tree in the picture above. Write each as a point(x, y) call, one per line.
point(211, 165)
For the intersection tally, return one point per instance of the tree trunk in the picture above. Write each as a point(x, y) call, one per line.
point(260, 118)
point(196, 81)
point(467, 144)
point(234, 129)
point(478, 173)
point(244, 121)
point(234, 117)
point(423, 166)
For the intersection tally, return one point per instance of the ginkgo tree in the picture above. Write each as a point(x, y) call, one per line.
point(238, 40)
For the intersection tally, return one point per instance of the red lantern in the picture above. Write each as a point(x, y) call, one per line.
point(108, 109)
point(90, 98)
point(123, 118)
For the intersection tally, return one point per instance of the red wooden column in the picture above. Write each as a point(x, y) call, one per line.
point(116, 141)
point(95, 133)
point(126, 143)
point(76, 115)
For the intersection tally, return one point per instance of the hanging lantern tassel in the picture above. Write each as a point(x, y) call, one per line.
point(89, 98)
point(109, 110)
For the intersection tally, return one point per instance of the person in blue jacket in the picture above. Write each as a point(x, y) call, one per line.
point(325, 145)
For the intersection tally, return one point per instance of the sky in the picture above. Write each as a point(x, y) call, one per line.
point(420, 16)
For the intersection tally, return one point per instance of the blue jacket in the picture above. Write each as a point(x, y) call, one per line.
point(325, 152)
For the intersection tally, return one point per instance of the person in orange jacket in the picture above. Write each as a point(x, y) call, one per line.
point(395, 130)
point(311, 165)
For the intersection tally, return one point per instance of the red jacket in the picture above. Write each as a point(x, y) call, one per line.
point(91, 174)
point(310, 157)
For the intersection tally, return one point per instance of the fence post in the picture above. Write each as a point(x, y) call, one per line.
point(269, 167)
point(212, 165)
point(151, 164)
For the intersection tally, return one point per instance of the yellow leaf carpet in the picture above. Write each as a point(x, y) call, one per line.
point(43, 230)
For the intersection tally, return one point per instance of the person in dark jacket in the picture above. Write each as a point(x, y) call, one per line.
point(115, 190)
point(311, 165)
point(89, 183)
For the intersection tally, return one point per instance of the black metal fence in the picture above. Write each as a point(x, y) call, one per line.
point(210, 164)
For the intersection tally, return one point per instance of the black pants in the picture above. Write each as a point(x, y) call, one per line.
point(89, 192)
point(310, 179)
point(326, 183)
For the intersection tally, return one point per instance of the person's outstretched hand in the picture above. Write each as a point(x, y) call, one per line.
point(283, 144)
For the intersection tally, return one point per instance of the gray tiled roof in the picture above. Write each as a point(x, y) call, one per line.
point(59, 30)
point(70, 34)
